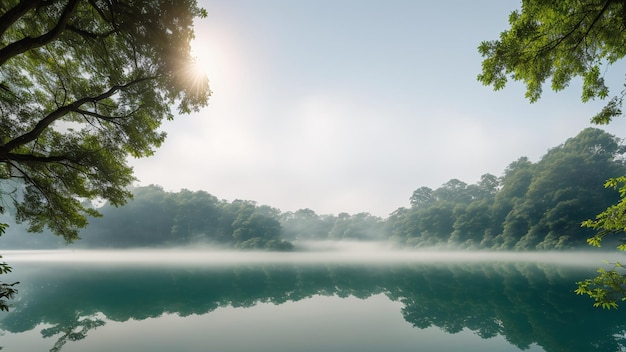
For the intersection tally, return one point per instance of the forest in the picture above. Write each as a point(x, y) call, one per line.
point(531, 206)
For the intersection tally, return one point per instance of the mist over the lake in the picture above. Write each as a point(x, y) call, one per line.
point(307, 252)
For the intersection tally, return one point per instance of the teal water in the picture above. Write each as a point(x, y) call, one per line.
point(276, 303)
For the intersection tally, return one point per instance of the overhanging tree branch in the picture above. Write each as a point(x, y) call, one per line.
point(91, 35)
point(106, 18)
point(557, 42)
point(39, 158)
point(60, 112)
point(28, 43)
point(100, 116)
point(595, 20)
point(15, 13)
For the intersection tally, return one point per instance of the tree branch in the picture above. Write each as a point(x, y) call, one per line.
point(28, 43)
point(595, 20)
point(54, 221)
point(37, 158)
point(15, 13)
point(100, 12)
point(555, 43)
point(60, 112)
point(90, 35)
point(31, 181)
point(99, 116)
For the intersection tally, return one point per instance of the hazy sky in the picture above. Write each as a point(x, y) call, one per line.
point(350, 105)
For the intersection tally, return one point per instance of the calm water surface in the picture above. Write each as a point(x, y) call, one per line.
point(342, 301)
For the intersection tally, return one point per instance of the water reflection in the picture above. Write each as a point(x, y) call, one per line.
point(526, 303)
point(74, 331)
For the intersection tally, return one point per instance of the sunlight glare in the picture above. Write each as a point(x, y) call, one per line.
point(195, 76)
point(203, 64)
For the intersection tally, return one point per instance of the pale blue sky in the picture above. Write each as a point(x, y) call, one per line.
point(350, 105)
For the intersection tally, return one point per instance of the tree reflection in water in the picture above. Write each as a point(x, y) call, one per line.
point(523, 302)
point(75, 330)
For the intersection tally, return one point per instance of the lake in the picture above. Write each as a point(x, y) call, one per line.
point(335, 299)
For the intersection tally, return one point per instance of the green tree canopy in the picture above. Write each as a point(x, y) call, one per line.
point(557, 41)
point(84, 84)
point(532, 206)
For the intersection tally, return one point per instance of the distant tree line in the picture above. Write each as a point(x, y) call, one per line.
point(532, 206)
point(158, 218)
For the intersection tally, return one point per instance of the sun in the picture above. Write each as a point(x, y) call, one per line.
point(197, 68)
point(218, 55)
point(202, 56)
point(194, 77)
point(194, 73)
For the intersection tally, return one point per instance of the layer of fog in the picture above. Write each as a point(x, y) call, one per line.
point(320, 252)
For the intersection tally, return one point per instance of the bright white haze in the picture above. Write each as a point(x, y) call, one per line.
point(351, 105)
point(320, 252)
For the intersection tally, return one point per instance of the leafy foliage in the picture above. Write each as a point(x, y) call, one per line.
point(557, 41)
point(606, 289)
point(611, 220)
point(7, 291)
point(83, 85)
point(609, 286)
